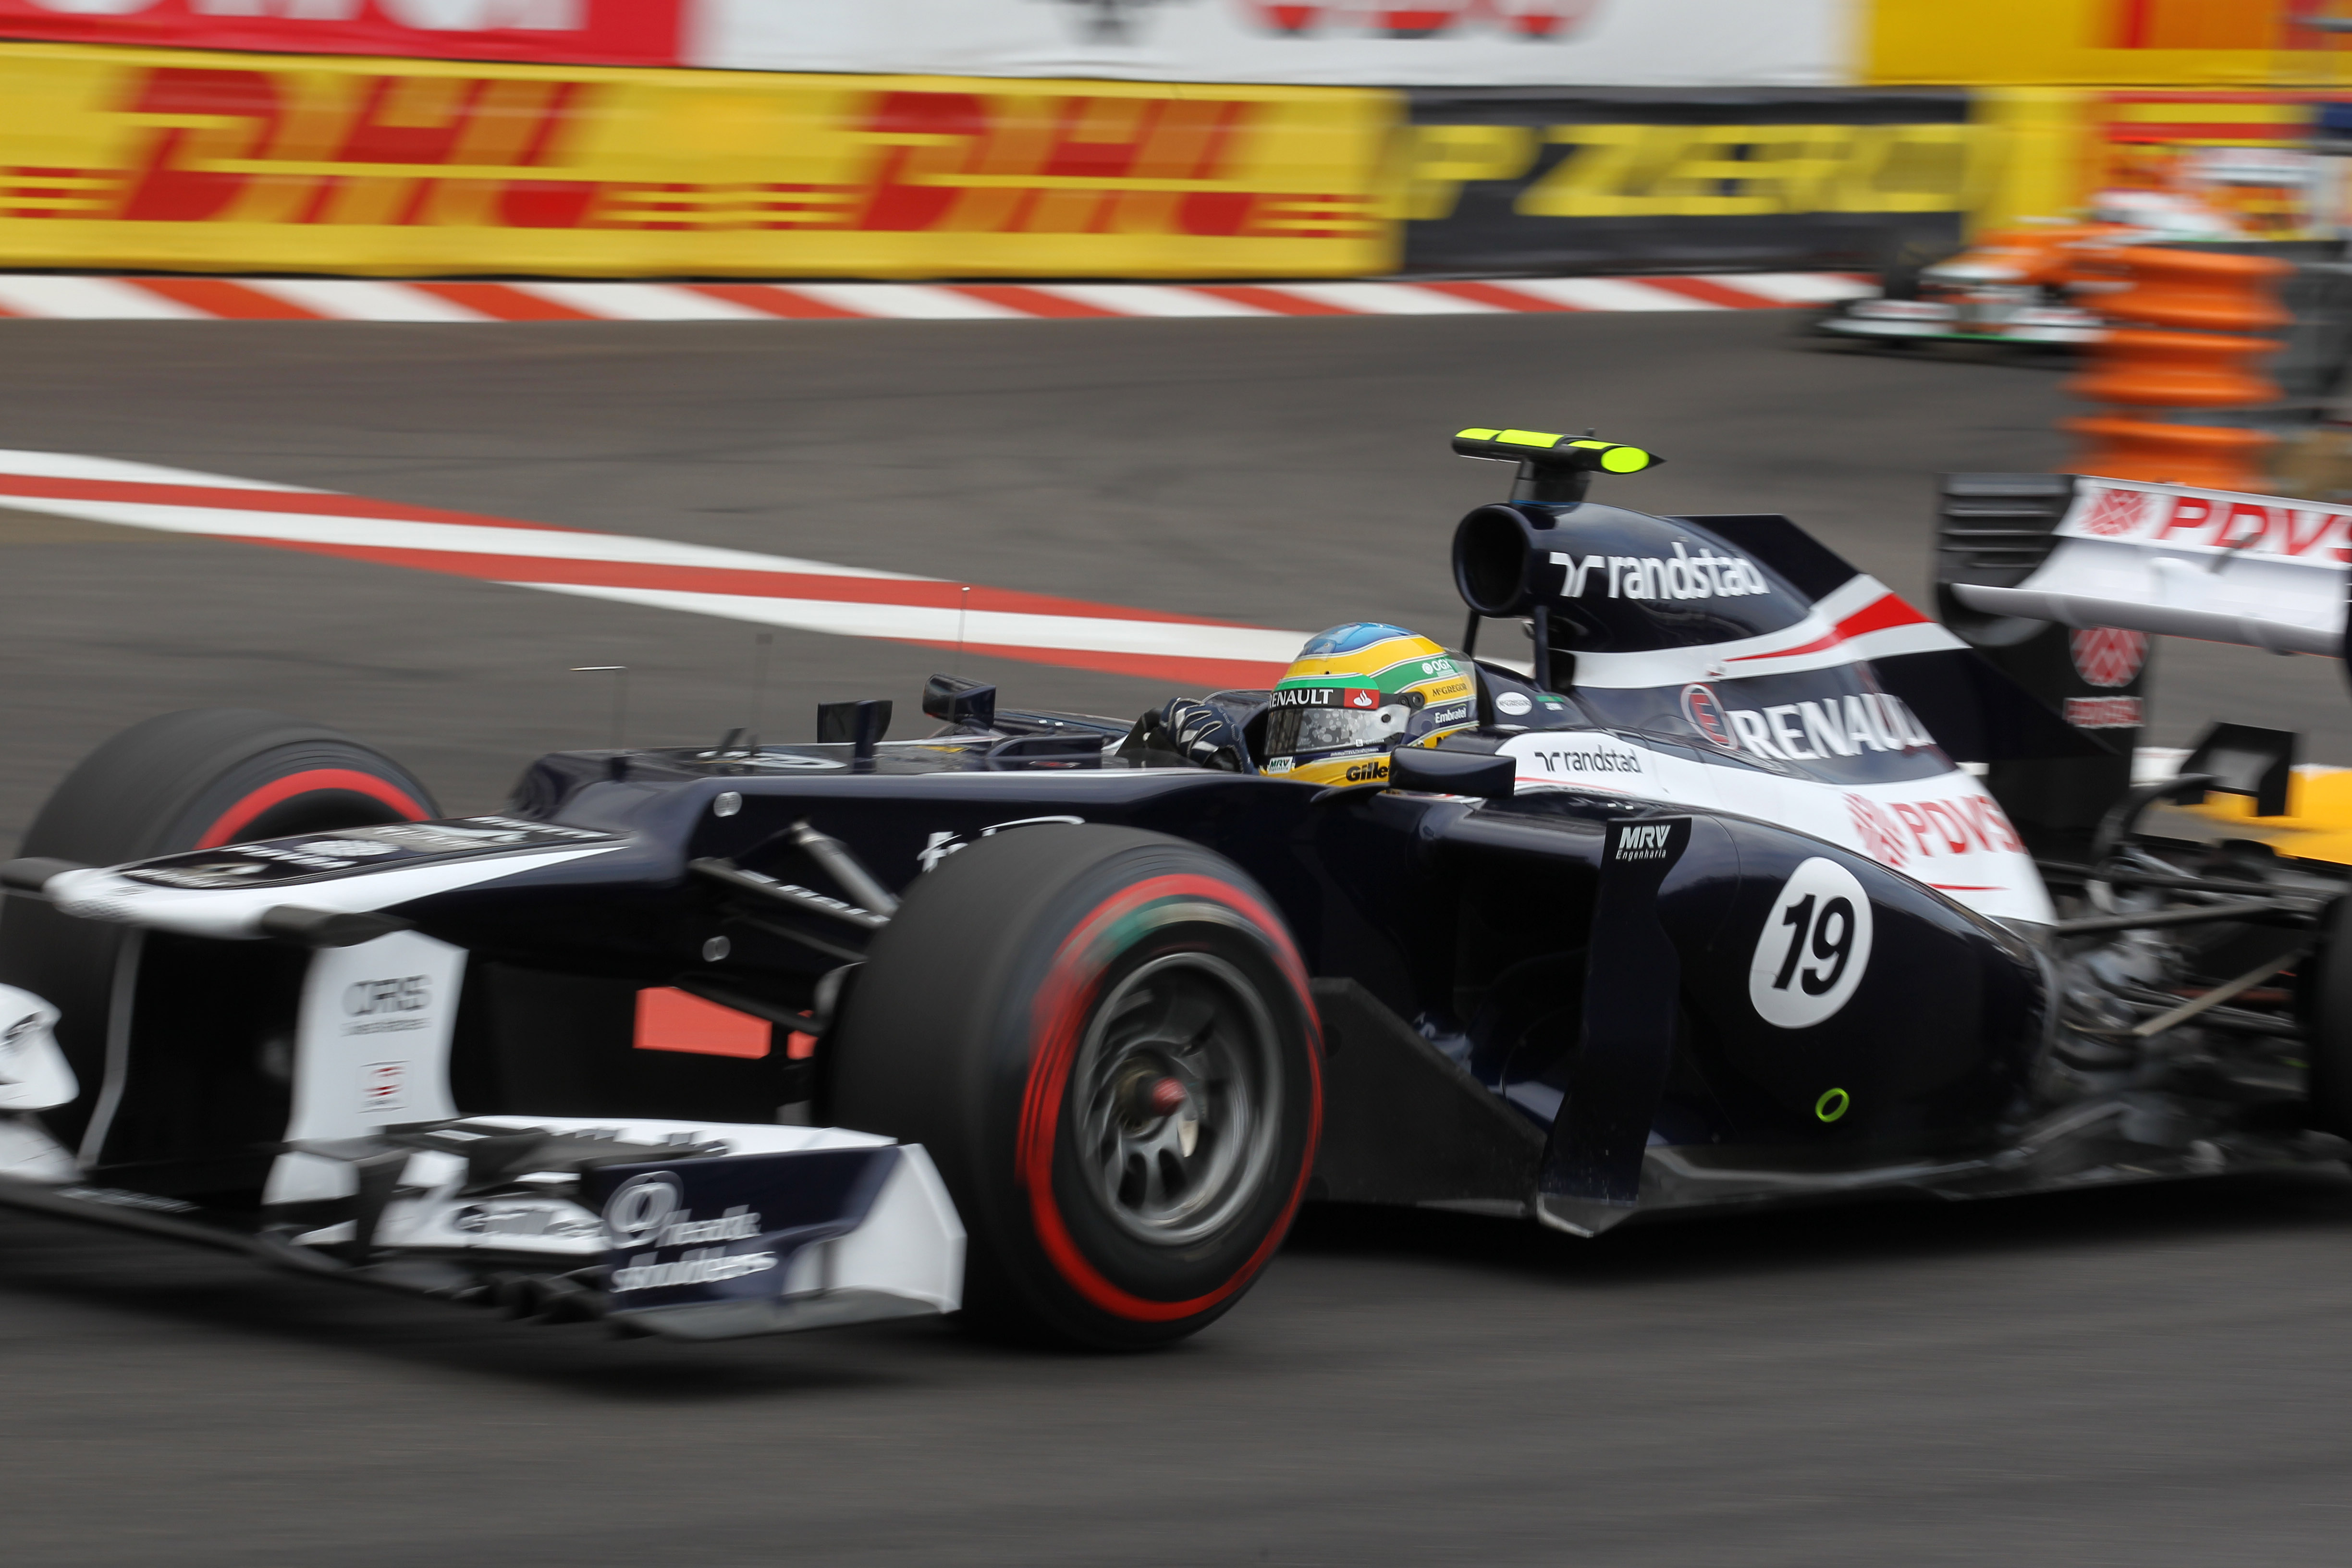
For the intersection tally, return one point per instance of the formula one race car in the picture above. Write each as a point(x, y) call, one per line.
point(1040, 1017)
point(2027, 287)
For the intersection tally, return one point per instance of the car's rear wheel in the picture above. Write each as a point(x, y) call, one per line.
point(191, 780)
point(1105, 1039)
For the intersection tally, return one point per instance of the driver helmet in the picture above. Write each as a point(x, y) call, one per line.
point(1356, 693)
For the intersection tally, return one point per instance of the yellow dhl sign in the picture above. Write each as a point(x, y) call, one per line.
point(182, 159)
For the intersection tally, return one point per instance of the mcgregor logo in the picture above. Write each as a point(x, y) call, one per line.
point(2106, 656)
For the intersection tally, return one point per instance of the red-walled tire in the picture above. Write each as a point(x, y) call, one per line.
point(191, 780)
point(1024, 1017)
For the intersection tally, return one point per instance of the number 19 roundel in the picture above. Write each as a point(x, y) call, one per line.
point(1814, 947)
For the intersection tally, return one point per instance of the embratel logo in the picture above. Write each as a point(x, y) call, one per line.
point(2107, 656)
point(1705, 711)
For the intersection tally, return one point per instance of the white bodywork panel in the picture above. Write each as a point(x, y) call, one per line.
point(1944, 831)
point(372, 1050)
point(234, 914)
point(2260, 570)
point(33, 1075)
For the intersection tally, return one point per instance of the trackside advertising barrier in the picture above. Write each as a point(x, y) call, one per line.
point(191, 161)
point(1571, 180)
point(570, 32)
point(1381, 43)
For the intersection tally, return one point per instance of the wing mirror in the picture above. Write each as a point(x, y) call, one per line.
point(1453, 773)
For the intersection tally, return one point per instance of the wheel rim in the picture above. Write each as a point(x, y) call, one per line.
point(1170, 1171)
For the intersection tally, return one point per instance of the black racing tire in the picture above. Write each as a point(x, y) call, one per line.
point(191, 780)
point(1018, 1017)
point(2323, 990)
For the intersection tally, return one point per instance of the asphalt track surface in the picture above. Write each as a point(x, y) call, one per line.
point(2149, 1378)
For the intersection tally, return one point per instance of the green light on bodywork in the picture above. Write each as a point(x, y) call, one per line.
point(1832, 1104)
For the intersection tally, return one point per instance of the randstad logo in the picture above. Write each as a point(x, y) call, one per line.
point(1682, 575)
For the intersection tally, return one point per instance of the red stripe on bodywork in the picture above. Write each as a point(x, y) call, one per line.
point(1875, 617)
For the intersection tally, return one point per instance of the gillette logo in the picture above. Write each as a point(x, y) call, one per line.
point(1706, 575)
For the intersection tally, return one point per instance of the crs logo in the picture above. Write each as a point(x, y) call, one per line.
point(642, 1207)
point(1704, 710)
point(2108, 657)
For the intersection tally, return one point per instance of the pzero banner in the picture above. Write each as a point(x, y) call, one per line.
point(1496, 43)
point(578, 32)
point(181, 159)
point(1586, 180)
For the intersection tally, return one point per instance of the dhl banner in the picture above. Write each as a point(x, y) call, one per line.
point(181, 159)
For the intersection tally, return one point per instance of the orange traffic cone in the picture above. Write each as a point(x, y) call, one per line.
point(2202, 296)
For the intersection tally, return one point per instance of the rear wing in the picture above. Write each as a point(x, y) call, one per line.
point(2260, 570)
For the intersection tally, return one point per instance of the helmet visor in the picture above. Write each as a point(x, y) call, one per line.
point(1289, 731)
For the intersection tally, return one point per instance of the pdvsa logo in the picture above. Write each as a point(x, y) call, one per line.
point(2107, 656)
point(2115, 513)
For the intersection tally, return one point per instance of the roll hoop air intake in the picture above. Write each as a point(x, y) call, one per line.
point(1502, 555)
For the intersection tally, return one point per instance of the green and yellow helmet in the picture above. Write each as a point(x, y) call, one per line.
point(1356, 693)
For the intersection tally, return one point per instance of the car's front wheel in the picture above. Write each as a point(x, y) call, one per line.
point(1105, 1041)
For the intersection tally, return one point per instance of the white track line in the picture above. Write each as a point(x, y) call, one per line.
point(72, 466)
point(981, 628)
point(1150, 299)
point(1386, 300)
point(644, 302)
point(1607, 294)
point(91, 299)
point(454, 538)
point(359, 299)
point(909, 301)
